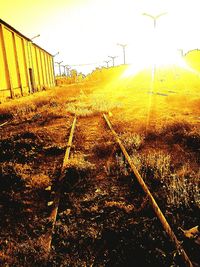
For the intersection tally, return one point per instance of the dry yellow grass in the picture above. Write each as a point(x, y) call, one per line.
point(78, 162)
point(170, 112)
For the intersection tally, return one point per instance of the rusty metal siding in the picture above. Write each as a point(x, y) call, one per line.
point(43, 68)
point(24, 66)
point(4, 74)
point(35, 68)
point(12, 58)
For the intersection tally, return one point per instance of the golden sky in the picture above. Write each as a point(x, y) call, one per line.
point(86, 31)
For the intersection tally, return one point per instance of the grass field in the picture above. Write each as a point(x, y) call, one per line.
point(158, 122)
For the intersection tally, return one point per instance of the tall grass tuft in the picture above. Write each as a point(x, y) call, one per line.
point(183, 188)
point(154, 165)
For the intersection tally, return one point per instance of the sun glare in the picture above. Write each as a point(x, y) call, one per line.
point(88, 31)
point(159, 42)
point(106, 23)
point(155, 58)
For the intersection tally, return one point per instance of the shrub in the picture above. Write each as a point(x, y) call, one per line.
point(117, 168)
point(79, 109)
point(132, 141)
point(183, 188)
point(77, 161)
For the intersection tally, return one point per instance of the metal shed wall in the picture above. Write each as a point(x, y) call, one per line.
point(24, 66)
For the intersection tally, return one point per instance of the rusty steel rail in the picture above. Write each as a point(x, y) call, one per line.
point(4, 123)
point(154, 204)
point(54, 213)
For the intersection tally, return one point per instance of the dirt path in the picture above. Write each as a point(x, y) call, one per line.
point(104, 218)
point(99, 225)
point(107, 220)
point(95, 141)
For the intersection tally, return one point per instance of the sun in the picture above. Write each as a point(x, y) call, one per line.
point(155, 49)
point(154, 57)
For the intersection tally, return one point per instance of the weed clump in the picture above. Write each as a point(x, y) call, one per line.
point(38, 181)
point(178, 187)
point(78, 162)
point(100, 104)
point(85, 106)
point(132, 141)
point(120, 205)
point(182, 133)
point(117, 168)
point(76, 170)
point(80, 109)
point(154, 165)
point(182, 188)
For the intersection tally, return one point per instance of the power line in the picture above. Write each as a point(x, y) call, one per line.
point(85, 64)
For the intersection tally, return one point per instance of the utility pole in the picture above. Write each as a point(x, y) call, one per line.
point(68, 69)
point(124, 52)
point(54, 63)
point(152, 100)
point(107, 63)
point(59, 64)
point(181, 52)
point(155, 18)
point(113, 59)
point(64, 73)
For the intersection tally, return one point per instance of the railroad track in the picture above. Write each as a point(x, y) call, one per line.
point(2, 124)
point(54, 213)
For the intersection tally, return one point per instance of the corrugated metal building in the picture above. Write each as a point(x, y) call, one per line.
point(24, 66)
